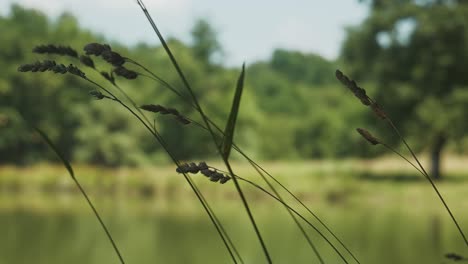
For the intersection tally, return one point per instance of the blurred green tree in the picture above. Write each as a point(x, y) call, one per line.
point(205, 42)
point(416, 51)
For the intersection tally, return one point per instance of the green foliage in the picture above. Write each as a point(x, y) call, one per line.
point(416, 52)
point(291, 108)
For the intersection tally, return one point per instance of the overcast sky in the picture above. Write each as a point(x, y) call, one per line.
point(248, 30)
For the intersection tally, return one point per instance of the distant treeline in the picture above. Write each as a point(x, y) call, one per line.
point(292, 106)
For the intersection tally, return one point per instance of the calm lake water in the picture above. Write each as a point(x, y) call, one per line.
point(57, 230)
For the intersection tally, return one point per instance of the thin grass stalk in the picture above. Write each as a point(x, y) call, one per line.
point(83, 192)
point(114, 245)
point(194, 98)
point(360, 93)
point(295, 212)
point(211, 214)
point(260, 170)
point(430, 181)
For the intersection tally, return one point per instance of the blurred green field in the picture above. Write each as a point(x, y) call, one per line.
point(383, 211)
point(387, 180)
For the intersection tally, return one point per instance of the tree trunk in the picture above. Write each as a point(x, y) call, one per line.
point(435, 156)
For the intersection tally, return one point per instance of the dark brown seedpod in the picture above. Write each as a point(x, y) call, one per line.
point(216, 176)
point(74, 70)
point(25, 67)
point(113, 58)
point(96, 94)
point(46, 65)
point(59, 50)
point(368, 136)
point(183, 168)
point(359, 92)
point(126, 73)
point(202, 165)
point(152, 108)
point(454, 256)
point(224, 179)
point(96, 48)
point(207, 172)
point(87, 61)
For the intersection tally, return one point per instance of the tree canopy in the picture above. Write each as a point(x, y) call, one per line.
point(416, 52)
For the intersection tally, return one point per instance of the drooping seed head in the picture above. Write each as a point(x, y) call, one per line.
point(207, 172)
point(108, 77)
point(359, 92)
point(183, 168)
point(53, 49)
point(126, 73)
point(87, 61)
point(202, 165)
point(96, 94)
point(193, 168)
point(152, 108)
point(224, 179)
point(25, 67)
point(75, 71)
point(113, 58)
point(60, 68)
point(96, 48)
point(368, 136)
point(454, 256)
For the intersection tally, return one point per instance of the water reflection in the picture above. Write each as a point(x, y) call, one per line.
point(177, 231)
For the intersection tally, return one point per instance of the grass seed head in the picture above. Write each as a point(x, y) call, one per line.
point(454, 256)
point(224, 179)
point(75, 71)
point(368, 136)
point(43, 66)
point(359, 92)
point(113, 58)
point(126, 73)
point(152, 108)
point(59, 68)
point(202, 165)
point(58, 50)
point(87, 61)
point(96, 94)
point(108, 77)
point(96, 48)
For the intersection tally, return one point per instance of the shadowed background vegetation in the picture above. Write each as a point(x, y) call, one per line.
point(293, 107)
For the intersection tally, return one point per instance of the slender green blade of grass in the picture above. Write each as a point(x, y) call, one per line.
point(57, 151)
point(231, 123)
point(67, 165)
